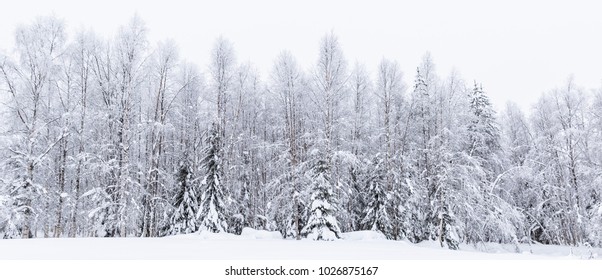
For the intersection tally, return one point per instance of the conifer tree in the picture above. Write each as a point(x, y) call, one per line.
point(483, 130)
point(212, 214)
point(376, 213)
point(186, 203)
point(322, 223)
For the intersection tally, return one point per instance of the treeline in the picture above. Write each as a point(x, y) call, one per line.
point(121, 137)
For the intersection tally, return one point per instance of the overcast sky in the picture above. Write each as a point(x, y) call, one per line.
point(516, 49)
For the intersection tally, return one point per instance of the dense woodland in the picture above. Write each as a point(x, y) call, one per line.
point(116, 137)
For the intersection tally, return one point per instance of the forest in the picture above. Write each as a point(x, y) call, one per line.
point(118, 137)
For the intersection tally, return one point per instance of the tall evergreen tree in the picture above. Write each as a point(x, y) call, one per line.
point(421, 182)
point(499, 220)
point(213, 215)
point(483, 130)
point(377, 211)
point(322, 223)
point(186, 203)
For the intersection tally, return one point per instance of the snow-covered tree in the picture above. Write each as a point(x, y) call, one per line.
point(118, 73)
point(561, 182)
point(421, 181)
point(484, 132)
point(103, 137)
point(184, 219)
point(165, 91)
point(322, 223)
point(328, 89)
point(81, 56)
point(376, 215)
point(28, 81)
point(10, 218)
point(212, 214)
point(288, 86)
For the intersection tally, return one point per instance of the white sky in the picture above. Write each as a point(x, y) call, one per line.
point(516, 49)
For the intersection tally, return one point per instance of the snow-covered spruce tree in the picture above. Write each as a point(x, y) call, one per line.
point(322, 223)
point(483, 131)
point(448, 188)
point(187, 116)
point(186, 203)
point(421, 181)
point(376, 213)
point(499, 220)
point(357, 202)
point(212, 214)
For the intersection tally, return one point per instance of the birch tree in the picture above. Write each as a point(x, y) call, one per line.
point(28, 81)
point(288, 85)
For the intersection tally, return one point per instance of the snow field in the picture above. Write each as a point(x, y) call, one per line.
point(264, 245)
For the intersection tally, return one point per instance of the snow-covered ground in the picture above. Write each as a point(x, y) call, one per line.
point(264, 245)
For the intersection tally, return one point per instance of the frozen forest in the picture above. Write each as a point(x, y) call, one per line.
point(121, 137)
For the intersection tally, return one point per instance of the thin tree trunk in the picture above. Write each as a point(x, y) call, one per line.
point(61, 182)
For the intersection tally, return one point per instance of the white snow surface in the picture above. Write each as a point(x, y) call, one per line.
point(258, 244)
point(260, 234)
point(363, 235)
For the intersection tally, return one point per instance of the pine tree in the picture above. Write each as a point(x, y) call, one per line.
point(500, 220)
point(483, 130)
point(186, 203)
point(212, 215)
point(322, 223)
point(421, 181)
point(376, 213)
point(357, 201)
